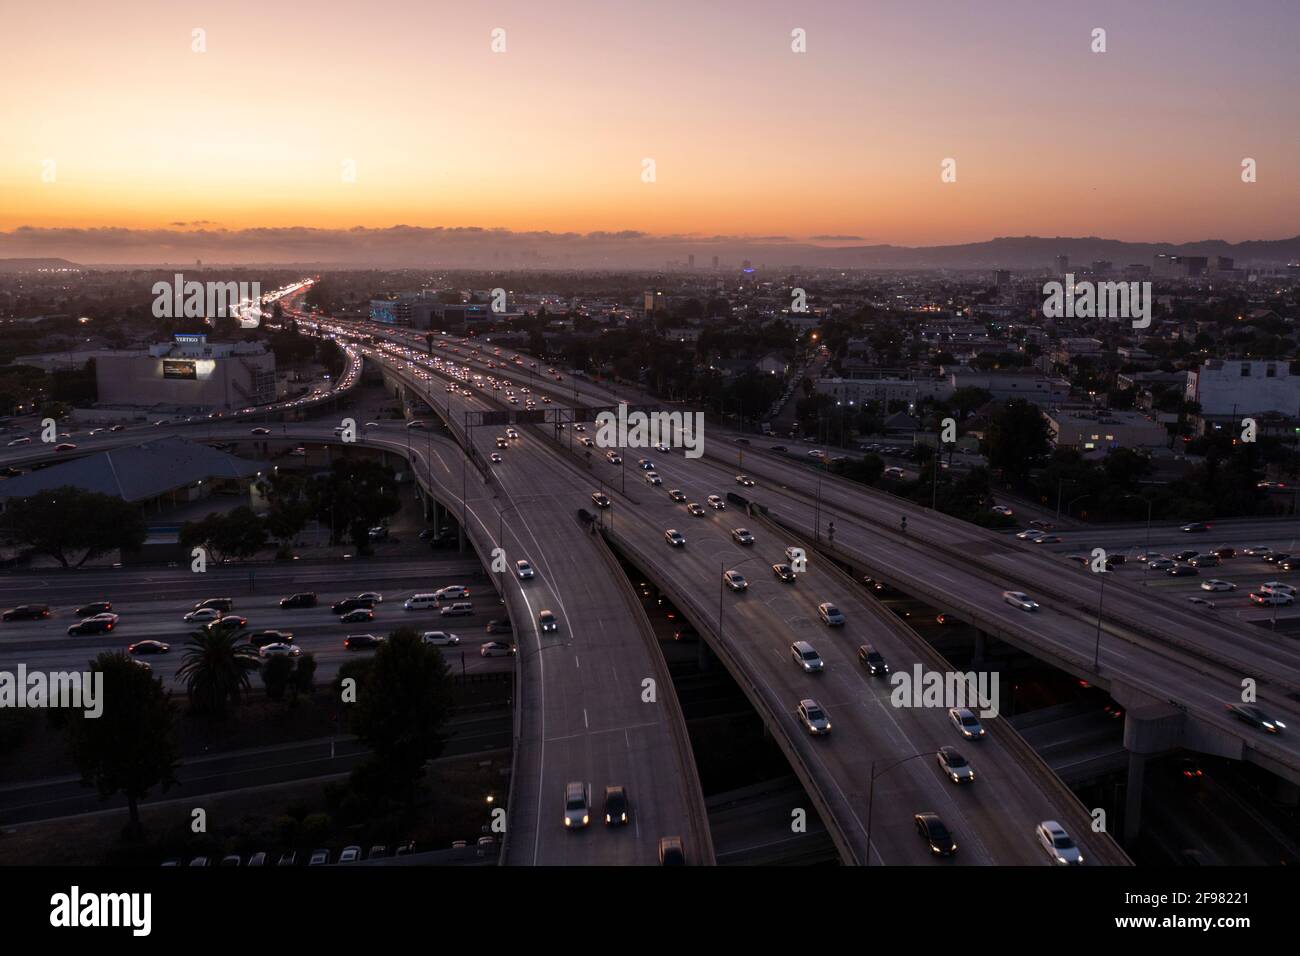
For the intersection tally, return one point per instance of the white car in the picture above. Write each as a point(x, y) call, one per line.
point(806, 656)
point(279, 650)
point(441, 639)
point(814, 717)
point(1278, 587)
point(716, 503)
point(524, 570)
point(203, 615)
point(967, 724)
point(1020, 599)
point(20, 441)
point(1060, 848)
point(1032, 535)
point(745, 480)
point(653, 478)
point(954, 765)
point(371, 596)
point(831, 615)
point(1002, 510)
point(1214, 584)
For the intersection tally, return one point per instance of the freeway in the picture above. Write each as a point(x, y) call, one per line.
point(998, 828)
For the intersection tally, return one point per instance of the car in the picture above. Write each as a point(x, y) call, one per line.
point(350, 854)
point(361, 642)
point(20, 441)
point(93, 608)
point(1041, 523)
point(220, 604)
point(456, 609)
point(1276, 558)
point(1253, 715)
point(512, 433)
point(1215, 584)
point(98, 624)
point(452, 592)
point(1002, 510)
point(1271, 599)
point(870, 658)
point(26, 612)
point(546, 621)
point(967, 724)
point(1225, 553)
point(675, 538)
point(1060, 849)
point(716, 503)
point(1159, 564)
point(496, 458)
point(1184, 555)
point(695, 510)
point(1047, 539)
point(600, 500)
point(831, 615)
point(935, 834)
point(1204, 561)
point(784, 572)
point(814, 717)
point(806, 656)
point(148, 647)
point(587, 441)
point(524, 570)
point(500, 626)
point(301, 599)
point(440, 638)
point(359, 615)
point(65, 446)
point(954, 765)
point(117, 428)
point(1182, 571)
point(671, 851)
point(653, 478)
point(618, 809)
point(1194, 527)
point(202, 615)
point(1020, 599)
point(742, 536)
point(260, 431)
point(745, 480)
point(502, 441)
point(1031, 535)
point(228, 624)
point(676, 495)
point(262, 638)
point(373, 596)
point(646, 464)
point(614, 458)
point(352, 604)
point(279, 650)
point(1257, 551)
point(735, 580)
point(1279, 586)
point(577, 805)
point(495, 649)
point(1202, 602)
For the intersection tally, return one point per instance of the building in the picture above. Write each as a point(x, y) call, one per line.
point(1089, 430)
point(189, 372)
point(883, 389)
point(1235, 387)
point(1030, 385)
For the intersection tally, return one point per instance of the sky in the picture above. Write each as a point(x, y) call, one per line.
point(840, 144)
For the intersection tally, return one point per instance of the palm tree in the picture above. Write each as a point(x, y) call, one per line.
point(215, 670)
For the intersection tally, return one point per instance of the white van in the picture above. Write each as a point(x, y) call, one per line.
point(419, 602)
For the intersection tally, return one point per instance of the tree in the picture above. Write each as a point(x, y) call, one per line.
point(403, 700)
point(285, 492)
point(67, 521)
point(1017, 439)
point(356, 495)
point(215, 670)
point(234, 536)
point(130, 747)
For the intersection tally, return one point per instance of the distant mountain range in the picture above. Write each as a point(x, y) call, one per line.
point(476, 248)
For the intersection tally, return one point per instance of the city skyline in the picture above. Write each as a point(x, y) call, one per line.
point(552, 132)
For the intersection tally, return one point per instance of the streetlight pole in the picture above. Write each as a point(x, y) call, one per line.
point(722, 588)
point(871, 792)
point(1101, 598)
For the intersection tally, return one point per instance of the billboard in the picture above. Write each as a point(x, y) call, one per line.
point(179, 368)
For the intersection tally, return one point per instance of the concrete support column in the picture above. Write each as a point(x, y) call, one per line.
point(1137, 767)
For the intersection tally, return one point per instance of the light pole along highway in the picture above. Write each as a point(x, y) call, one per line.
point(871, 791)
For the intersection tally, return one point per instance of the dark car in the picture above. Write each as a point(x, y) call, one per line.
point(499, 626)
point(360, 642)
point(352, 604)
point(671, 852)
point(148, 647)
point(1182, 571)
point(1252, 715)
point(935, 834)
point(301, 599)
point(93, 608)
point(618, 810)
point(358, 615)
point(26, 612)
point(262, 638)
point(1276, 558)
point(1224, 553)
point(870, 658)
point(1194, 527)
point(1184, 555)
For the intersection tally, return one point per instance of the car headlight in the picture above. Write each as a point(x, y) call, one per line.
point(568, 822)
point(623, 817)
point(586, 818)
point(607, 818)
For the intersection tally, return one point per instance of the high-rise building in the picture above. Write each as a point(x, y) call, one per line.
point(715, 263)
point(1002, 278)
point(690, 262)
